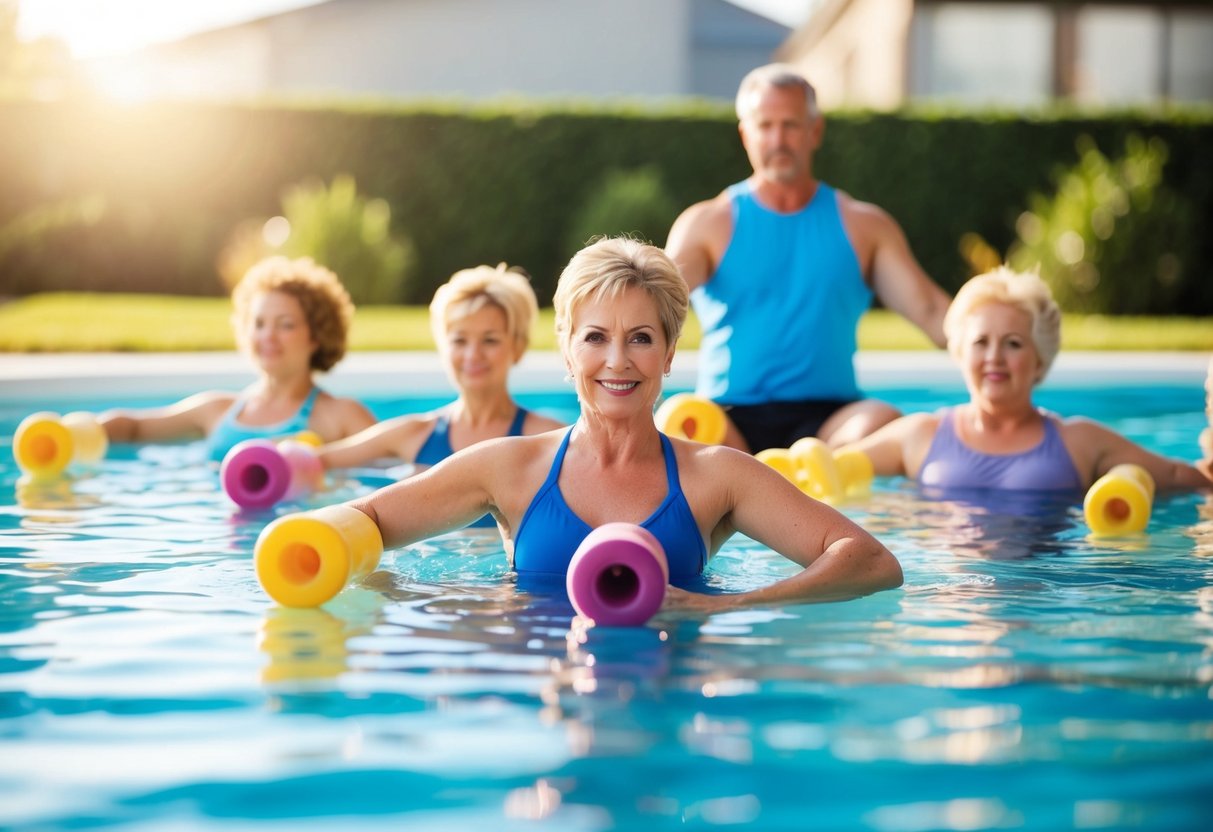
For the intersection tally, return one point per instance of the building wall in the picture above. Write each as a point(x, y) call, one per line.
point(726, 43)
point(861, 59)
point(1018, 53)
point(467, 48)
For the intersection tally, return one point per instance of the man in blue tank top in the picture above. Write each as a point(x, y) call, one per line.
point(781, 267)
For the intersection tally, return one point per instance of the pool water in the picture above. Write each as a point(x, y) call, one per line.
point(1025, 676)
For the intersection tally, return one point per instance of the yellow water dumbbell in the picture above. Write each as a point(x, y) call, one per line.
point(856, 471)
point(687, 416)
point(1120, 501)
point(303, 560)
point(816, 472)
point(779, 459)
point(46, 443)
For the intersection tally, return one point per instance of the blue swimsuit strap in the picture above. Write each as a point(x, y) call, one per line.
point(519, 421)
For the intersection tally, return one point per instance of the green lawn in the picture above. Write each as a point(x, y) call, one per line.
point(81, 322)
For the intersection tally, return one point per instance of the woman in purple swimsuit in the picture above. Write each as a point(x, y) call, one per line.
point(620, 307)
point(1004, 329)
point(481, 319)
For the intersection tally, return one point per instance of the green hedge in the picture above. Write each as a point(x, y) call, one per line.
point(490, 184)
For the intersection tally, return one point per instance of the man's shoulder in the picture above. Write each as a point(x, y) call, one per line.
point(711, 219)
point(711, 208)
point(860, 210)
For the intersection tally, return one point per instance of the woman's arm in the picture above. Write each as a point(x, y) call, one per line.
point(1099, 449)
point(400, 437)
point(190, 418)
point(898, 448)
point(448, 496)
point(840, 560)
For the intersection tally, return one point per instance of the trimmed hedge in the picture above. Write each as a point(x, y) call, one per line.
point(487, 184)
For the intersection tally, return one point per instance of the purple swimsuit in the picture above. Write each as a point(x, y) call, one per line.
point(952, 464)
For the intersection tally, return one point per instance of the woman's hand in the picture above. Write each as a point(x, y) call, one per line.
point(681, 600)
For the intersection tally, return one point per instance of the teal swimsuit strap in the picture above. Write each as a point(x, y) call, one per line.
point(305, 411)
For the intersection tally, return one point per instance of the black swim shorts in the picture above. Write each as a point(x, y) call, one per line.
point(779, 424)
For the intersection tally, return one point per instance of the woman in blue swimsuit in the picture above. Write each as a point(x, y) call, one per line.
point(481, 319)
point(1004, 329)
point(620, 307)
point(291, 318)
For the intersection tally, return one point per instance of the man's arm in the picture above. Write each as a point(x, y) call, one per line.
point(896, 278)
point(698, 239)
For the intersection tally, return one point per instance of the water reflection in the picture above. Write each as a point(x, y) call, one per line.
point(50, 494)
point(303, 645)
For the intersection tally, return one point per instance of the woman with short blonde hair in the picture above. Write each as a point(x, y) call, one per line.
point(620, 306)
point(1004, 330)
point(481, 319)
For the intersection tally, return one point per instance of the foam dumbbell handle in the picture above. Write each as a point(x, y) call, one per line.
point(258, 473)
point(303, 560)
point(618, 575)
point(686, 416)
point(46, 443)
point(1120, 501)
point(89, 439)
point(855, 470)
point(817, 473)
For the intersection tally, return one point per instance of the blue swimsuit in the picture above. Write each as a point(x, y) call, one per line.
point(550, 532)
point(228, 432)
point(952, 464)
point(438, 447)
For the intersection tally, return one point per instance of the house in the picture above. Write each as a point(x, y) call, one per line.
point(469, 49)
point(1014, 53)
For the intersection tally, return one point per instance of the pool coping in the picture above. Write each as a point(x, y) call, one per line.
point(66, 376)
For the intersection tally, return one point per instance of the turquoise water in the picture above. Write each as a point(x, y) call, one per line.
point(1024, 677)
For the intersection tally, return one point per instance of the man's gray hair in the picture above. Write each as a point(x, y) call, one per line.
point(782, 76)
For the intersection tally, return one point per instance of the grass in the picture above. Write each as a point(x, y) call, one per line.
point(84, 322)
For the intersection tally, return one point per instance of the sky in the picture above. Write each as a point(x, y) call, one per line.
point(93, 28)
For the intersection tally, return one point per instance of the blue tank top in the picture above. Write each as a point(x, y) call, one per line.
point(229, 432)
point(780, 313)
point(437, 447)
point(550, 532)
point(952, 464)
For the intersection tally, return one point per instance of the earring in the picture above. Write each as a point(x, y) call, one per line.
point(568, 378)
point(667, 373)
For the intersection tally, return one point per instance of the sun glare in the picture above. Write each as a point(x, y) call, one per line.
point(97, 28)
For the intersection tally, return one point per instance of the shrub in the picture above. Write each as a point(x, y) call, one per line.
point(625, 202)
point(335, 227)
point(1112, 239)
point(30, 235)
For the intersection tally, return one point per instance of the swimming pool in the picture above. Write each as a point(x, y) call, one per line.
point(1024, 677)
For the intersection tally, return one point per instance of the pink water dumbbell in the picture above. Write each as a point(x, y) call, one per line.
point(257, 473)
point(618, 575)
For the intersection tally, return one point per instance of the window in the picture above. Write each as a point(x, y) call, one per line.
point(1118, 56)
point(988, 53)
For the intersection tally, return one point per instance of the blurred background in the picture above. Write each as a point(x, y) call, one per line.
point(162, 148)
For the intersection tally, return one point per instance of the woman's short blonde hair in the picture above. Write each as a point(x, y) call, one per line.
point(470, 290)
point(604, 269)
point(1023, 290)
point(326, 304)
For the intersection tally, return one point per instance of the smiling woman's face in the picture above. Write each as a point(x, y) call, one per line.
point(279, 337)
point(617, 354)
point(997, 354)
